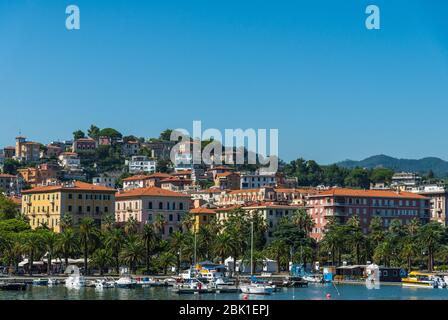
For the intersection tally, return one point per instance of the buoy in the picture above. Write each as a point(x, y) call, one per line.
point(328, 296)
point(245, 297)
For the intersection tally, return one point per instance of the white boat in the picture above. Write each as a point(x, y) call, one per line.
point(75, 280)
point(313, 278)
point(257, 288)
point(40, 282)
point(126, 282)
point(53, 282)
point(104, 284)
point(147, 282)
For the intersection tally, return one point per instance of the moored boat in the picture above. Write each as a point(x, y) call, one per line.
point(257, 288)
point(126, 282)
point(419, 280)
point(40, 282)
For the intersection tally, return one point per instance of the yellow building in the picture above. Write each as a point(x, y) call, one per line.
point(48, 204)
point(202, 216)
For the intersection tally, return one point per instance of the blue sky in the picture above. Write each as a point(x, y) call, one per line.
point(334, 89)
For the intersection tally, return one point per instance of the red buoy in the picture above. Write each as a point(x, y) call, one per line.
point(245, 297)
point(328, 296)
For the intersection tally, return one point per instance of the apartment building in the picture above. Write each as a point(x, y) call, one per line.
point(84, 145)
point(139, 164)
point(438, 195)
point(43, 174)
point(146, 204)
point(26, 151)
point(49, 204)
point(341, 204)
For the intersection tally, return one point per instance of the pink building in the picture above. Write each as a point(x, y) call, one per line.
point(343, 203)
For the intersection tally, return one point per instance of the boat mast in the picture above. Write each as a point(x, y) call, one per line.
point(195, 262)
point(251, 248)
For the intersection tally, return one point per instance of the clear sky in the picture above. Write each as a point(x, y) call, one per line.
point(334, 89)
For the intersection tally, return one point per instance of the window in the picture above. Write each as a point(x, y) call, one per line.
point(80, 196)
point(150, 205)
point(160, 206)
point(70, 196)
point(171, 217)
point(181, 206)
point(69, 208)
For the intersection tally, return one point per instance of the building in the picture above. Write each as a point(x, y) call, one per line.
point(146, 204)
point(130, 148)
point(143, 181)
point(257, 180)
point(341, 204)
point(43, 174)
point(10, 184)
point(209, 196)
point(76, 200)
point(9, 152)
point(202, 216)
point(26, 151)
point(51, 151)
point(438, 201)
point(105, 141)
point(404, 180)
point(70, 161)
point(84, 145)
point(175, 184)
point(228, 180)
point(160, 149)
point(140, 164)
point(104, 181)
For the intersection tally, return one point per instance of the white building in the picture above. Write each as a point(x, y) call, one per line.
point(406, 179)
point(141, 164)
point(257, 180)
point(70, 161)
point(104, 181)
point(130, 148)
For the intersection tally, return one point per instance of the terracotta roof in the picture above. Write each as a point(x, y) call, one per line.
point(175, 179)
point(151, 192)
point(221, 168)
point(368, 193)
point(229, 208)
point(244, 191)
point(202, 210)
point(68, 153)
point(226, 174)
point(160, 175)
point(5, 175)
point(181, 173)
point(272, 205)
point(147, 177)
point(137, 178)
point(16, 200)
point(78, 186)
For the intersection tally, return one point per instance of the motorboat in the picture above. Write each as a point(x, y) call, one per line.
point(40, 282)
point(53, 282)
point(148, 282)
point(313, 278)
point(126, 282)
point(75, 280)
point(257, 288)
point(104, 284)
point(420, 280)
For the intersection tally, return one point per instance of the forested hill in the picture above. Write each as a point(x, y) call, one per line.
point(438, 166)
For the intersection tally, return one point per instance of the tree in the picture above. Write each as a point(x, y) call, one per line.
point(303, 220)
point(430, 236)
point(165, 135)
point(93, 132)
point(8, 209)
point(111, 133)
point(355, 236)
point(277, 251)
point(222, 246)
point(78, 134)
point(88, 234)
point(132, 252)
point(10, 166)
point(358, 178)
point(101, 259)
point(32, 244)
point(166, 260)
point(113, 241)
point(67, 243)
point(177, 241)
point(50, 240)
point(149, 238)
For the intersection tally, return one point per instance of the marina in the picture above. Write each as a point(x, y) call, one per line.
point(326, 291)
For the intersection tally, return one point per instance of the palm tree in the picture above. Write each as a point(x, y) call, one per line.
point(108, 221)
point(101, 258)
point(131, 226)
point(132, 252)
point(187, 222)
point(383, 252)
point(113, 241)
point(31, 245)
point(355, 236)
point(88, 233)
point(50, 243)
point(303, 220)
point(430, 236)
point(159, 224)
point(222, 246)
point(166, 260)
point(66, 222)
point(67, 243)
point(408, 251)
point(149, 238)
point(177, 241)
point(277, 250)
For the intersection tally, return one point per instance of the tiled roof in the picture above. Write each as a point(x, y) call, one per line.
point(202, 210)
point(368, 193)
point(5, 175)
point(147, 177)
point(78, 186)
point(151, 192)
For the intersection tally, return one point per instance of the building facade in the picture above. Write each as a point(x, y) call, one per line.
point(147, 205)
point(341, 204)
point(49, 204)
point(139, 164)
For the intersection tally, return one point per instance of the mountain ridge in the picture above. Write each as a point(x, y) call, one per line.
point(422, 166)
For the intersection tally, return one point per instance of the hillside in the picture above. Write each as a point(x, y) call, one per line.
point(422, 166)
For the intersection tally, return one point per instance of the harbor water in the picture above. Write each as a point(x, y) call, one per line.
point(312, 292)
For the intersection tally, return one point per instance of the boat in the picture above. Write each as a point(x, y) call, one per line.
point(126, 282)
point(75, 280)
point(313, 278)
point(53, 282)
point(13, 286)
point(420, 280)
point(104, 284)
point(257, 288)
point(40, 282)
